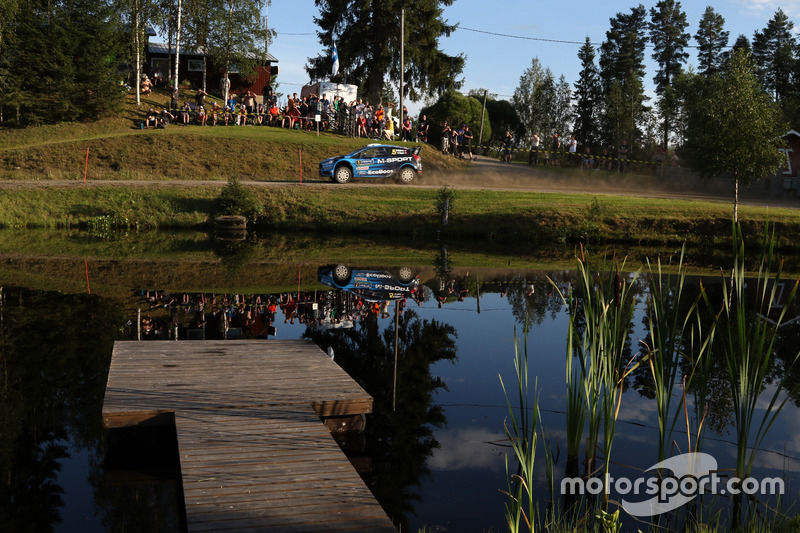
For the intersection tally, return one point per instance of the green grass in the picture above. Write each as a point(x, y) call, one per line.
point(118, 150)
point(501, 217)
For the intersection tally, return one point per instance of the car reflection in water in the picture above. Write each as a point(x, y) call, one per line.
point(372, 285)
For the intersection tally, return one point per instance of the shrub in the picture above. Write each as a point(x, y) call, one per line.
point(237, 199)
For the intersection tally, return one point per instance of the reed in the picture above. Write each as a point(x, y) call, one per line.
point(747, 335)
point(607, 304)
point(674, 335)
point(522, 436)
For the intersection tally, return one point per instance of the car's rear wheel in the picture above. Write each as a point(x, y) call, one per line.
point(342, 174)
point(407, 174)
point(341, 273)
point(405, 274)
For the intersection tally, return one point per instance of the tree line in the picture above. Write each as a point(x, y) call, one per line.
point(69, 60)
point(608, 102)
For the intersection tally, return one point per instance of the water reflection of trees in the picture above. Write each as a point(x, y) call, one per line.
point(50, 397)
point(399, 442)
point(532, 301)
point(709, 382)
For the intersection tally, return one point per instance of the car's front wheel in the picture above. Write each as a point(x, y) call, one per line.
point(342, 174)
point(341, 274)
point(407, 174)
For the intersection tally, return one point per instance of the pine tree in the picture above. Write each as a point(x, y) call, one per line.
point(774, 55)
point(100, 50)
point(367, 36)
point(621, 74)
point(588, 98)
point(667, 25)
point(65, 68)
point(711, 42)
point(8, 90)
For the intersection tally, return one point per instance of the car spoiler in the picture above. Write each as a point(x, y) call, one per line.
point(415, 149)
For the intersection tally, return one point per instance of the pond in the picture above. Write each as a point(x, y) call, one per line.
point(434, 451)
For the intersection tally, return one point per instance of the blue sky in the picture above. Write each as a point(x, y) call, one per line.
point(496, 63)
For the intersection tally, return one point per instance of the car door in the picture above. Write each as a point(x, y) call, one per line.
point(364, 161)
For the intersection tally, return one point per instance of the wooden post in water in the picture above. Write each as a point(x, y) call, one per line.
point(396, 336)
point(139, 324)
point(478, 293)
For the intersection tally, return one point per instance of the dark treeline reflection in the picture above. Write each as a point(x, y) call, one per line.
point(399, 442)
point(54, 355)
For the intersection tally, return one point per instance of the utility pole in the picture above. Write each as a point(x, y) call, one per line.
point(483, 113)
point(266, 32)
point(402, 63)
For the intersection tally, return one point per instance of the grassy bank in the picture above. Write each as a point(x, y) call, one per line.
point(119, 150)
point(505, 217)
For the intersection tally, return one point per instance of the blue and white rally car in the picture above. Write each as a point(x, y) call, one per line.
point(371, 284)
point(374, 160)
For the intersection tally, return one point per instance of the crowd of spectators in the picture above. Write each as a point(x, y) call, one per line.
point(219, 316)
point(357, 118)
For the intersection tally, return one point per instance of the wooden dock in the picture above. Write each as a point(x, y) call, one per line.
point(254, 454)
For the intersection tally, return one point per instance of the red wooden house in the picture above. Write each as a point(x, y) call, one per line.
point(788, 177)
point(191, 68)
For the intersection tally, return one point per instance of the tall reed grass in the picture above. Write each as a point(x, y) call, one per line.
point(681, 350)
point(522, 436)
point(675, 335)
point(747, 338)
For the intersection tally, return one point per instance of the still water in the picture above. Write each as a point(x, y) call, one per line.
point(435, 446)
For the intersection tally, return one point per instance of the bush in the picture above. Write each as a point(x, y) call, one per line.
point(236, 199)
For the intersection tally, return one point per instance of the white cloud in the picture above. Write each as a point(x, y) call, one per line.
point(468, 448)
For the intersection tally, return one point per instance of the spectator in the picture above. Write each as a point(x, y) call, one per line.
point(467, 147)
point(175, 100)
point(249, 101)
point(185, 112)
point(200, 98)
point(147, 85)
point(445, 137)
point(274, 114)
point(166, 118)
point(151, 119)
point(588, 160)
point(573, 151)
point(422, 129)
point(214, 112)
point(388, 131)
point(406, 129)
point(623, 156)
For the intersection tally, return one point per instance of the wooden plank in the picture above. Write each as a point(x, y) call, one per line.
point(254, 454)
point(249, 489)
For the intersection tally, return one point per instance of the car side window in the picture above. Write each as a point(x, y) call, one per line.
point(369, 153)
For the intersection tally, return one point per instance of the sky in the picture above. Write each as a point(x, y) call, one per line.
point(496, 62)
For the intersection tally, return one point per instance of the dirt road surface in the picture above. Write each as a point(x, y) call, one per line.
point(491, 174)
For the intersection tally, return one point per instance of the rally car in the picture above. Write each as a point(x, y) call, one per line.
point(374, 160)
point(371, 285)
